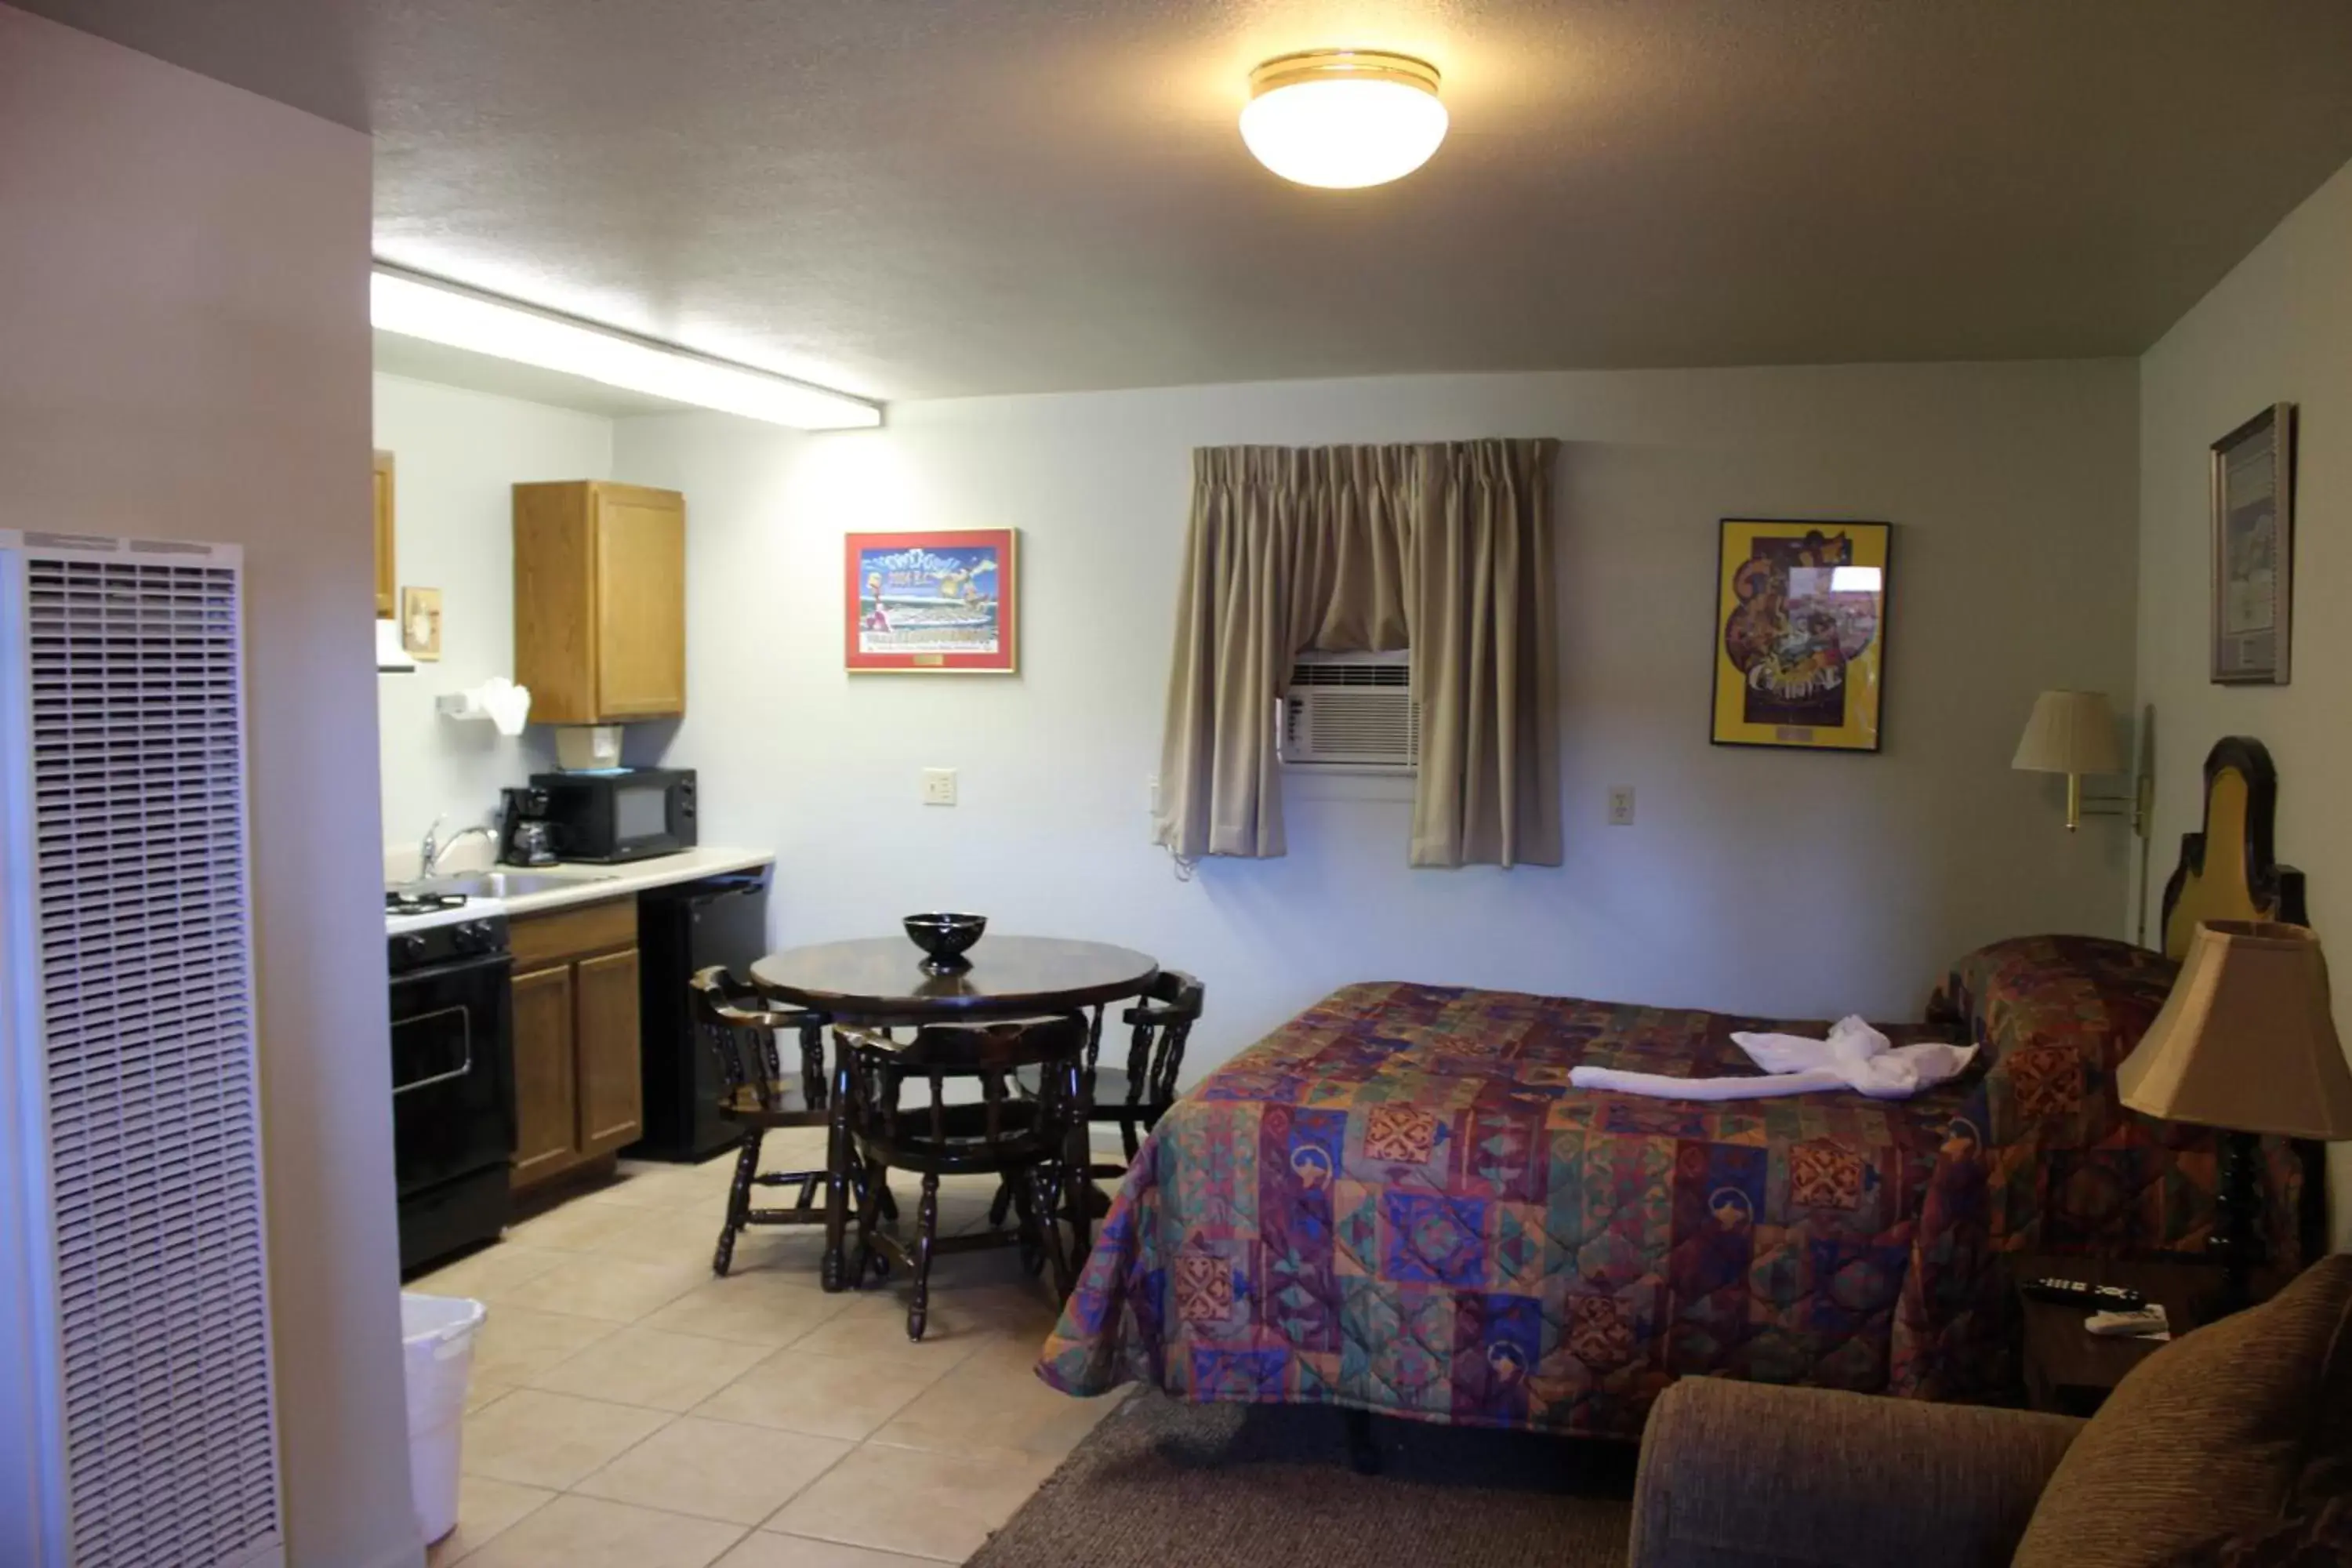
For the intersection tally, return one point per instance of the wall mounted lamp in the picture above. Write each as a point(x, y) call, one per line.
point(2073, 733)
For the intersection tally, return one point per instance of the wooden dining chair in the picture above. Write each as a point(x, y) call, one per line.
point(1022, 1140)
point(1134, 1098)
point(741, 1028)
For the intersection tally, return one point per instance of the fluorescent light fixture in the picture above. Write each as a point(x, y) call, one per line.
point(1343, 118)
point(1855, 579)
point(415, 307)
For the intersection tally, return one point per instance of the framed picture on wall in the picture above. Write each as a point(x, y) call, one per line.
point(1799, 633)
point(939, 602)
point(2253, 549)
point(420, 623)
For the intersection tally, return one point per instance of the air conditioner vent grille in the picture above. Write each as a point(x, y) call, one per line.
point(141, 941)
point(1321, 674)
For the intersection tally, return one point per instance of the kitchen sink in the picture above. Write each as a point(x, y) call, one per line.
point(509, 884)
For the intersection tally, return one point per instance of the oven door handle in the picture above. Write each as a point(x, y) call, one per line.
point(454, 968)
point(465, 1030)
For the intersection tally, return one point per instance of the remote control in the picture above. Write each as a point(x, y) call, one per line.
point(2149, 1322)
point(2083, 1294)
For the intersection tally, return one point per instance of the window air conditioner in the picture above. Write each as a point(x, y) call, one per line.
point(1355, 710)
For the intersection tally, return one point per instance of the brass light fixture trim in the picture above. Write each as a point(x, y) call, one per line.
point(1342, 65)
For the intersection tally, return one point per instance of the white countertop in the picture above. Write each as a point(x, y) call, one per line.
point(592, 883)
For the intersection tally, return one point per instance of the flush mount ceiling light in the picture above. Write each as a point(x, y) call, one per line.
point(1343, 118)
point(415, 307)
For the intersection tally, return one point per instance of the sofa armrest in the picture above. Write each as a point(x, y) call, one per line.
point(1742, 1475)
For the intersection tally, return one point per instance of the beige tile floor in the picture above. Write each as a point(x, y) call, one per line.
point(629, 1407)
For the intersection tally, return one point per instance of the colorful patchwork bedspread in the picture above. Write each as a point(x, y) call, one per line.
point(1396, 1203)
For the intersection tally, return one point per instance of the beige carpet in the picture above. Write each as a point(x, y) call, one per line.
point(1270, 1487)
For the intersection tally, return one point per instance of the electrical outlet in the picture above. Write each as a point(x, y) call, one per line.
point(1151, 793)
point(938, 786)
point(1620, 805)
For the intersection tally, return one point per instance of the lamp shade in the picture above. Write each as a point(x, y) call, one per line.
point(2070, 732)
point(2245, 1041)
point(1344, 118)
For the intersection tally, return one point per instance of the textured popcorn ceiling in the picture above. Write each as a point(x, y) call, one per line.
point(933, 197)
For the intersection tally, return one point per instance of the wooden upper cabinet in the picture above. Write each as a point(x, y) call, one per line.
point(599, 601)
point(387, 603)
point(641, 603)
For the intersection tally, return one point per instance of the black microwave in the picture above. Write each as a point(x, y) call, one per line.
point(618, 813)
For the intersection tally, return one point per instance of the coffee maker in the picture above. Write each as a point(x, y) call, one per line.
point(524, 837)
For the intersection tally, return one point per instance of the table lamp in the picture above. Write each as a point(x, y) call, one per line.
point(2245, 1043)
point(2070, 732)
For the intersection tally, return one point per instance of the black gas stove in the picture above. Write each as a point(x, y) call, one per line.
point(426, 929)
point(452, 1069)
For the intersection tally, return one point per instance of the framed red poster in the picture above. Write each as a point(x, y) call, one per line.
point(939, 602)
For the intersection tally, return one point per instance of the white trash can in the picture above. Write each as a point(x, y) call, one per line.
point(437, 1337)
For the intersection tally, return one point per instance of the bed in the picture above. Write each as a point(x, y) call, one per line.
point(1396, 1204)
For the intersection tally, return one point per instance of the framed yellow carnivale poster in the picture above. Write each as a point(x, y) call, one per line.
point(1800, 634)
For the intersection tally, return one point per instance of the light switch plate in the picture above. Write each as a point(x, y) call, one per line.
point(938, 786)
point(1620, 805)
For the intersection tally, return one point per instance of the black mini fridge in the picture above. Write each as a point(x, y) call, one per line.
point(680, 930)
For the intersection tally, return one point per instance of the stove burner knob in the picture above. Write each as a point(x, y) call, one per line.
point(474, 936)
point(411, 947)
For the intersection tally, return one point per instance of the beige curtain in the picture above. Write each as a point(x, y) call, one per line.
point(1486, 659)
point(1443, 548)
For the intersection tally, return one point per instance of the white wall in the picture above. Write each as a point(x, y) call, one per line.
point(457, 456)
point(1781, 882)
point(183, 305)
point(2277, 328)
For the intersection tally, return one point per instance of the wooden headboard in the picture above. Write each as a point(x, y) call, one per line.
point(2227, 872)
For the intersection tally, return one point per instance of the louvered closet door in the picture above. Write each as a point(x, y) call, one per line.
point(143, 1166)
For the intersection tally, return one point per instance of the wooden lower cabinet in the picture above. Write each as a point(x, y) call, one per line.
point(547, 1123)
point(578, 1092)
point(612, 1084)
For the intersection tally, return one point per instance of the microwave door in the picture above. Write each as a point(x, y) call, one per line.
point(640, 815)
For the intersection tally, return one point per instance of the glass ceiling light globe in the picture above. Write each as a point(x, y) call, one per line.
point(1343, 118)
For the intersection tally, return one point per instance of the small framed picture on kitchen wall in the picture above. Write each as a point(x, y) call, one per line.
point(420, 623)
point(937, 603)
point(1799, 633)
point(2253, 549)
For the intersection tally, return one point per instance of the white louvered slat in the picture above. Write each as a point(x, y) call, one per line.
point(134, 1056)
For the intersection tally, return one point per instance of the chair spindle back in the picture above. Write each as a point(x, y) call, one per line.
point(740, 1028)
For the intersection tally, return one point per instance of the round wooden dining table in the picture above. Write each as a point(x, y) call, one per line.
point(880, 982)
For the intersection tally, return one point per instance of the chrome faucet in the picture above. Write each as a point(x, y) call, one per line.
point(429, 853)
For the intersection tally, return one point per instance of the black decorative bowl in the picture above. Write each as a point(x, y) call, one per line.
point(945, 937)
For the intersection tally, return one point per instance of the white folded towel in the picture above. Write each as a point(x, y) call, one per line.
point(1855, 1056)
point(508, 705)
